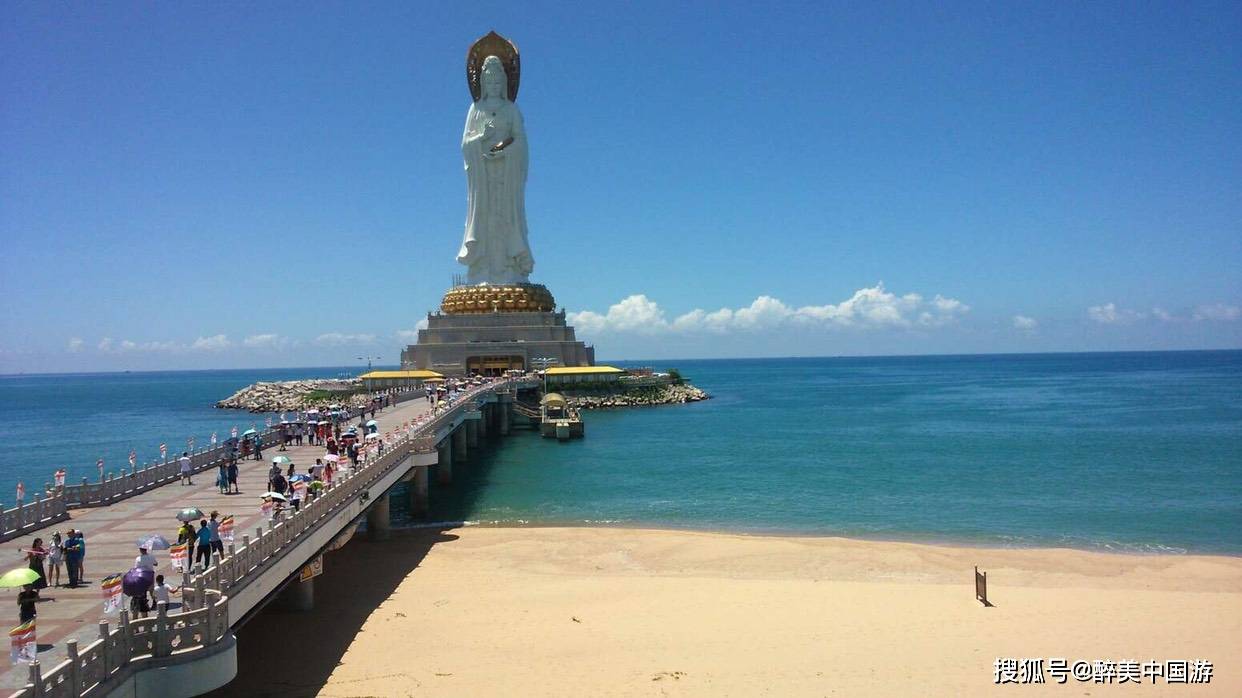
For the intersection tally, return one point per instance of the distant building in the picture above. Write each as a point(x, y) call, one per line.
point(382, 380)
point(583, 375)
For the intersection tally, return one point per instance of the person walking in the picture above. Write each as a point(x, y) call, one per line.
point(295, 496)
point(258, 447)
point(26, 600)
point(34, 558)
point(163, 592)
point(222, 478)
point(185, 535)
point(233, 478)
point(55, 555)
point(71, 558)
point(279, 483)
point(204, 544)
point(147, 563)
point(186, 473)
point(80, 540)
point(217, 545)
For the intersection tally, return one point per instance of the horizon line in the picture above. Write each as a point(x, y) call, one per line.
point(652, 361)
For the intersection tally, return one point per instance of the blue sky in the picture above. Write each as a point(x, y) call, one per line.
point(233, 185)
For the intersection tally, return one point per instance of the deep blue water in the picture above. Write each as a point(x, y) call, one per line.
point(1134, 452)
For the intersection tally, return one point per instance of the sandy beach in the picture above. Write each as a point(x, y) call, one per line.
point(618, 612)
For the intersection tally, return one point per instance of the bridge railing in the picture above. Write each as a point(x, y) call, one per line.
point(21, 520)
point(54, 506)
point(130, 646)
point(204, 619)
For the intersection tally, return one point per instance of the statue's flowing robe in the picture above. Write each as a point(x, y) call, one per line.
point(495, 246)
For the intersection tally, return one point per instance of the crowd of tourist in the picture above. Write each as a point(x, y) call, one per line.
point(341, 443)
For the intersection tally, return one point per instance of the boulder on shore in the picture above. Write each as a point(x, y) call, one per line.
point(292, 396)
point(634, 397)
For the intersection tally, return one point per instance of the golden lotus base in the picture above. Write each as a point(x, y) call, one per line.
point(511, 298)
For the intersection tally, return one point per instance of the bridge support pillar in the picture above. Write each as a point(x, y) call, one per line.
point(504, 418)
point(298, 596)
point(484, 424)
point(444, 464)
point(379, 525)
point(418, 492)
point(459, 444)
point(472, 433)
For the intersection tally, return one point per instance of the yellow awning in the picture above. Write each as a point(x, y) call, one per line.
point(415, 374)
point(583, 370)
point(553, 400)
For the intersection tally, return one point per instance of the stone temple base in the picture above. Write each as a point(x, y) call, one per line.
point(489, 343)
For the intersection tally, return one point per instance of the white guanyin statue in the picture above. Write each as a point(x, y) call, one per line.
point(495, 248)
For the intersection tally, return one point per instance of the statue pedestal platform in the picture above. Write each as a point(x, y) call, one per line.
point(489, 343)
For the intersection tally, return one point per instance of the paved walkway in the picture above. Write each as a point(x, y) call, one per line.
point(112, 532)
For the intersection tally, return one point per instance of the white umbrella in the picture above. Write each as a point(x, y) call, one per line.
point(332, 458)
point(372, 436)
point(273, 495)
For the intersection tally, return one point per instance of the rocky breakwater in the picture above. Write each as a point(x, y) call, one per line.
point(635, 397)
point(283, 396)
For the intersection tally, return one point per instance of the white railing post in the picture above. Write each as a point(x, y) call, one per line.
point(163, 647)
point(200, 591)
point(36, 678)
point(127, 641)
point(75, 668)
point(104, 650)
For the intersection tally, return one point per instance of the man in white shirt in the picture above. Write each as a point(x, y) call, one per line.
point(185, 469)
point(145, 561)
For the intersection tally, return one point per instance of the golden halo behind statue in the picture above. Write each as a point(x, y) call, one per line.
point(493, 45)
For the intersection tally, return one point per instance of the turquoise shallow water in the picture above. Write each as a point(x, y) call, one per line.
point(1133, 452)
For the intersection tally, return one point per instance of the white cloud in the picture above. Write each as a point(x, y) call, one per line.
point(216, 342)
point(1163, 315)
point(635, 313)
point(411, 336)
point(337, 339)
point(867, 308)
point(76, 344)
point(105, 344)
point(268, 340)
point(1024, 323)
point(1217, 311)
point(1110, 314)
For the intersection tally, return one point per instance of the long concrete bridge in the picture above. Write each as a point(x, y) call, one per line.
point(188, 648)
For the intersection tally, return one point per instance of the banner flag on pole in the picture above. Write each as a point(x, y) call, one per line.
point(22, 643)
point(179, 554)
point(111, 588)
point(60, 477)
point(226, 529)
point(21, 492)
point(164, 451)
point(213, 438)
point(233, 432)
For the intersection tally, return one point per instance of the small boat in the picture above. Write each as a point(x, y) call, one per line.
point(557, 419)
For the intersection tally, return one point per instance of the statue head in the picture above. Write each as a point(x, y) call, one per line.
point(493, 82)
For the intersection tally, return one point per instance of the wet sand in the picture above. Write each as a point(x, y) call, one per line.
point(621, 612)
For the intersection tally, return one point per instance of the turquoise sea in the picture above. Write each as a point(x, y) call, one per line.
point(1127, 452)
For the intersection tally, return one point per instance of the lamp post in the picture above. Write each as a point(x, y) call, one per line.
point(544, 362)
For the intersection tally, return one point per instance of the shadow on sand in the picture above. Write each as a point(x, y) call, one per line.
point(289, 653)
